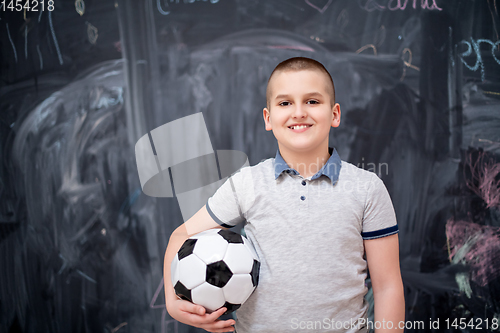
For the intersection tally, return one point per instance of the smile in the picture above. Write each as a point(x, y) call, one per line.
point(298, 127)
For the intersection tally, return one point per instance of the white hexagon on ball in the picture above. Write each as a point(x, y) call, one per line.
point(192, 271)
point(211, 248)
point(238, 258)
point(238, 288)
point(209, 296)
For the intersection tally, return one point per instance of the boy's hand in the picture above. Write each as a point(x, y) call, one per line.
point(195, 315)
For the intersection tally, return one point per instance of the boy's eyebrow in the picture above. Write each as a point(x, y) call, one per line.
point(311, 94)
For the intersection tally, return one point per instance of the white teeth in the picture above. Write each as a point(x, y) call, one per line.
point(299, 126)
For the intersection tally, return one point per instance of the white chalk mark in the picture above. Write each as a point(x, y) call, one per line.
point(11, 42)
point(40, 56)
point(80, 7)
point(321, 10)
point(55, 39)
point(40, 16)
point(162, 12)
point(26, 42)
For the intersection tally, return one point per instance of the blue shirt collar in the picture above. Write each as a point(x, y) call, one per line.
point(331, 169)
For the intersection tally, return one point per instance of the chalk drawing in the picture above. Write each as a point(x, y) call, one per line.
point(343, 19)
point(161, 10)
point(11, 42)
point(368, 46)
point(26, 42)
point(318, 8)
point(55, 39)
point(474, 45)
point(493, 16)
point(92, 33)
point(393, 5)
point(152, 304)
point(484, 179)
point(407, 63)
point(39, 56)
point(165, 323)
point(118, 327)
point(165, 2)
point(80, 7)
point(475, 245)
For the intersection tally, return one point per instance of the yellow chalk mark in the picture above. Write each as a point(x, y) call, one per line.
point(407, 63)
point(368, 46)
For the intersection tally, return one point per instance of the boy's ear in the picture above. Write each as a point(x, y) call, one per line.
point(336, 115)
point(266, 115)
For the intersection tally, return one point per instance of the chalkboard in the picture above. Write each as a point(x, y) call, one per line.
point(81, 243)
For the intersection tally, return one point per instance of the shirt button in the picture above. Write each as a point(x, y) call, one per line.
point(302, 198)
point(304, 182)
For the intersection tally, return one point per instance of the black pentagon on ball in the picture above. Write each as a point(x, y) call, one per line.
point(231, 307)
point(186, 248)
point(231, 237)
point(183, 292)
point(218, 274)
point(255, 272)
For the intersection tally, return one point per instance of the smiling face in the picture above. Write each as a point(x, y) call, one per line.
point(300, 111)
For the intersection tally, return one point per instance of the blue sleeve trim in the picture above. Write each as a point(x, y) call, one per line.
point(216, 219)
point(380, 233)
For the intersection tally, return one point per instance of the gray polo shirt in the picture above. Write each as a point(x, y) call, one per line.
point(308, 234)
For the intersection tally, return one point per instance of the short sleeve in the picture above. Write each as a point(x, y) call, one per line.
point(379, 218)
point(231, 201)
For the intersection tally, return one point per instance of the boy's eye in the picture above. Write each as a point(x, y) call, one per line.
point(284, 103)
point(312, 102)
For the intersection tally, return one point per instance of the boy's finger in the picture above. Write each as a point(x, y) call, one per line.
point(192, 308)
point(216, 314)
point(212, 317)
point(220, 326)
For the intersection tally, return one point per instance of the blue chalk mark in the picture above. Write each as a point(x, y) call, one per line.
point(86, 276)
point(11, 42)
point(54, 38)
point(40, 56)
point(162, 12)
point(130, 200)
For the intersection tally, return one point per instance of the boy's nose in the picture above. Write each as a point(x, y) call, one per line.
point(299, 112)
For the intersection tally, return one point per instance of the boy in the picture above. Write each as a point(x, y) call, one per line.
point(311, 217)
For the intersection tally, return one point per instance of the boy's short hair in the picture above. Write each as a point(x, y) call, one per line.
point(298, 64)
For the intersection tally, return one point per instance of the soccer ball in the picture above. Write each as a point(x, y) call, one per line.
point(215, 268)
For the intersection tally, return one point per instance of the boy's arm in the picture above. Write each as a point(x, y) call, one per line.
point(382, 255)
point(181, 310)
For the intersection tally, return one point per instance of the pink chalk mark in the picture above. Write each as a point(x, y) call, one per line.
point(322, 9)
point(483, 243)
point(155, 297)
point(485, 179)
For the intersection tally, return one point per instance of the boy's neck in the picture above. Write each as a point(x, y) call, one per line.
point(306, 163)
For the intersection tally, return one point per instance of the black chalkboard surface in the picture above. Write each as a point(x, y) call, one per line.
point(81, 244)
